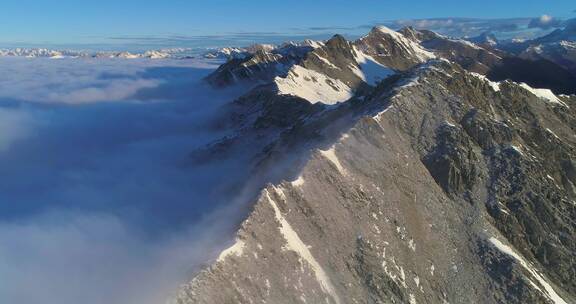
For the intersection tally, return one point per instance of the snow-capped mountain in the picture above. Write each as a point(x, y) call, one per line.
point(39, 52)
point(485, 39)
point(175, 53)
point(230, 53)
point(391, 171)
point(227, 53)
point(334, 70)
point(393, 49)
point(471, 56)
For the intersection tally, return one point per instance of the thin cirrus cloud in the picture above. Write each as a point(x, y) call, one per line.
point(457, 27)
point(460, 27)
point(505, 28)
point(219, 40)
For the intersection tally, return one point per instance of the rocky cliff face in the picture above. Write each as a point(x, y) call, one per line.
point(434, 186)
point(398, 50)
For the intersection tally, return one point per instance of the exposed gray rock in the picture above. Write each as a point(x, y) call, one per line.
point(469, 55)
point(393, 49)
point(261, 66)
point(434, 187)
point(337, 60)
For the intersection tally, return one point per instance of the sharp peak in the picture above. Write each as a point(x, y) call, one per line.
point(383, 29)
point(338, 37)
point(337, 40)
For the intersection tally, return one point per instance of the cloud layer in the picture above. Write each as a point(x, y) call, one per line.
point(100, 202)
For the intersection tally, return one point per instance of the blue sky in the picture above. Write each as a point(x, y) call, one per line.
point(68, 21)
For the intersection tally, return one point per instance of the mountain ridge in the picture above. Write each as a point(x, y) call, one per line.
point(433, 184)
point(240, 275)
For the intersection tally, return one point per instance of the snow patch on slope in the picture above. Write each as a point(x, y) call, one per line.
point(313, 86)
point(495, 85)
point(544, 94)
point(330, 154)
point(237, 249)
point(313, 43)
point(294, 243)
point(298, 182)
point(409, 45)
point(370, 70)
point(548, 290)
point(465, 42)
point(328, 63)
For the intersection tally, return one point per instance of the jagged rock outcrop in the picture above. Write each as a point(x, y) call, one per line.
point(393, 49)
point(259, 67)
point(436, 186)
point(329, 72)
point(337, 59)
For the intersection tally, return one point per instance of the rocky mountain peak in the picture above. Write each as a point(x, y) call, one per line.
point(411, 33)
point(263, 56)
point(381, 29)
point(438, 186)
point(485, 39)
point(469, 55)
point(393, 49)
point(260, 47)
point(337, 42)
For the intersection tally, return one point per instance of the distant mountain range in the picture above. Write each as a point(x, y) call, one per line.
point(177, 53)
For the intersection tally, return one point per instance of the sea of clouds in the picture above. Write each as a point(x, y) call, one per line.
point(100, 201)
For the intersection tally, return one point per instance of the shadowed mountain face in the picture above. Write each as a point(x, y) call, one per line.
point(536, 73)
point(430, 185)
point(558, 47)
point(566, 34)
point(562, 53)
point(470, 56)
point(486, 39)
